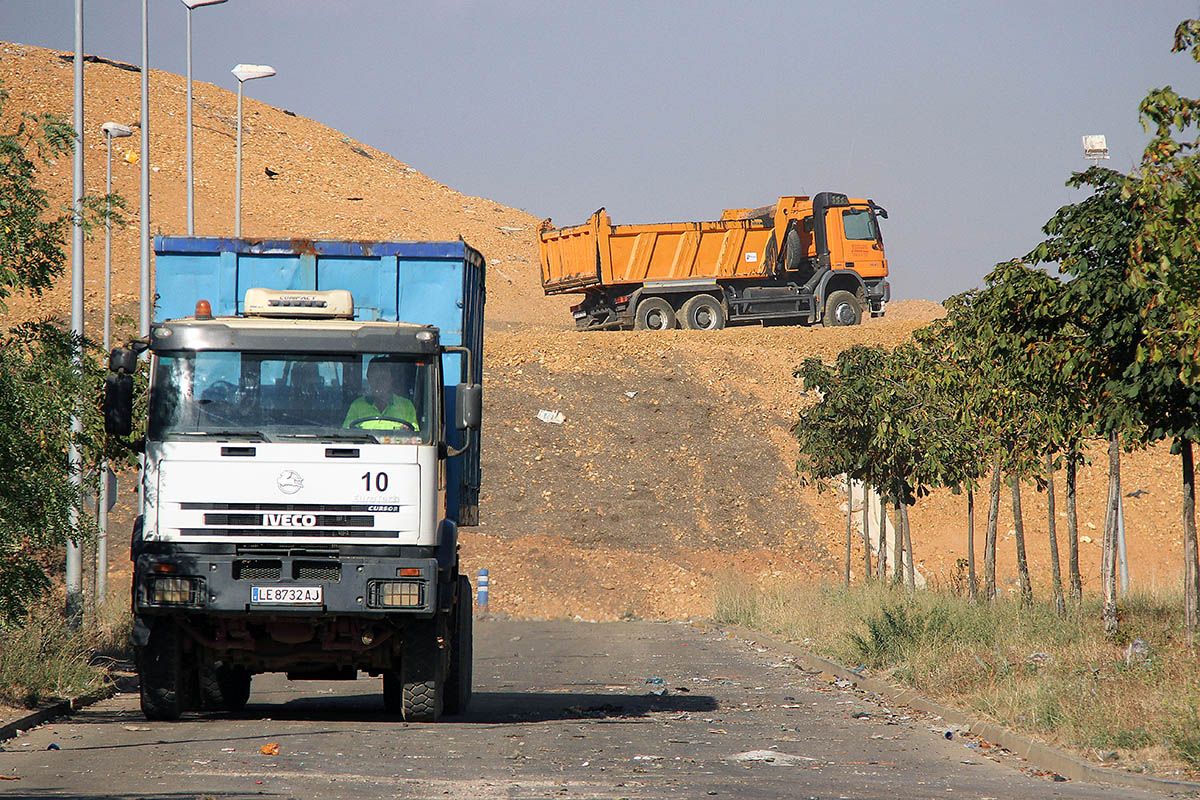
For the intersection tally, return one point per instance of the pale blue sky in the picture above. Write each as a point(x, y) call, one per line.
point(962, 118)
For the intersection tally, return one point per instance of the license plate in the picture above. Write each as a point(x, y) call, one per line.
point(287, 595)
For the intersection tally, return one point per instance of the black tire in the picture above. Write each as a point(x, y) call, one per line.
point(422, 677)
point(161, 674)
point(224, 688)
point(654, 314)
point(842, 308)
point(702, 313)
point(793, 249)
point(462, 655)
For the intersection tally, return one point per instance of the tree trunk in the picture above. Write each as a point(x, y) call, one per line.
point(1060, 603)
point(882, 555)
point(1073, 526)
point(1191, 571)
point(972, 583)
point(1019, 537)
point(866, 532)
point(989, 542)
point(897, 544)
point(1108, 567)
point(849, 526)
point(909, 564)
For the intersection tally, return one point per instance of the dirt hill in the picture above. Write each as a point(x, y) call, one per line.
point(674, 466)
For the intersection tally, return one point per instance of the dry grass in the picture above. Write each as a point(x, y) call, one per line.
point(1028, 668)
point(42, 661)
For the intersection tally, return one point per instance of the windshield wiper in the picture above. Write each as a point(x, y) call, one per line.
point(340, 436)
point(233, 434)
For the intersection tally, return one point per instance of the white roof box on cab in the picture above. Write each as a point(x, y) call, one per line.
point(332, 304)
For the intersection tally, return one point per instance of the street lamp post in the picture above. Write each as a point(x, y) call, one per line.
point(74, 457)
point(146, 302)
point(111, 130)
point(191, 184)
point(243, 72)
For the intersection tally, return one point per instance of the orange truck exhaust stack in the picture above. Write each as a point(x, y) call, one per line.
point(804, 260)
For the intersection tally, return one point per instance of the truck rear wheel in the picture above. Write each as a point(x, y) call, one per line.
point(162, 678)
point(458, 681)
point(703, 313)
point(224, 688)
point(654, 314)
point(842, 308)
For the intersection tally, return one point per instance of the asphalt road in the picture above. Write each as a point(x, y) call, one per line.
point(562, 709)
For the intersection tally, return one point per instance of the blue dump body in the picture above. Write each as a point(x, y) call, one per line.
point(426, 283)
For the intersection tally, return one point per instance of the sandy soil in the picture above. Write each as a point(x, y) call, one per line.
point(675, 465)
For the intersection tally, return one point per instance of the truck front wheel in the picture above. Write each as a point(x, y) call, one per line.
point(416, 689)
point(703, 313)
point(163, 681)
point(654, 314)
point(842, 308)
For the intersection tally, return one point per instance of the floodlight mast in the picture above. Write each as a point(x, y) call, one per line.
point(111, 130)
point(243, 72)
point(191, 182)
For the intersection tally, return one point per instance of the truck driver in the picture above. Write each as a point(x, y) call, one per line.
point(385, 406)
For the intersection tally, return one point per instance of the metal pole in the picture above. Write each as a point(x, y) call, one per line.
point(237, 200)
point(74, 552)
point(147, 301)
point(102, 502)
point(191, 185)
point(1123, 561)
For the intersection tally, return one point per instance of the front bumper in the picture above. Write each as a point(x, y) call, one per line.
point(224, 584)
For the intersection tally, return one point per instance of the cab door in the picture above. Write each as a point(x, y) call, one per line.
point(861, 244)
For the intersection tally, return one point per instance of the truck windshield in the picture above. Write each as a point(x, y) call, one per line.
point(859, 224)
point(361, 396)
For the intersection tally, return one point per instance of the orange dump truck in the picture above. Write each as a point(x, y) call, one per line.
point(804, 260)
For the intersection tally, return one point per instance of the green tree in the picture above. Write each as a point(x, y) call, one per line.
point(834, 432)
point(39, 386)
point(1097, 340)
point(1166, 255)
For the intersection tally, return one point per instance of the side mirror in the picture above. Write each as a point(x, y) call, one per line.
point(468, 405)
point(122, 359)
point(118, 404)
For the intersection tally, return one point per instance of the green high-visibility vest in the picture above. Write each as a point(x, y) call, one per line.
point(398, 408)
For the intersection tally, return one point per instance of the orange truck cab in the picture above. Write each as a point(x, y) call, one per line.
point(805, 260)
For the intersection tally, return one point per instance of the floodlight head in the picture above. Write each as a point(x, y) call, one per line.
point(249, 72)
point(1095, 146)
point(115, 130)
point(197, 3)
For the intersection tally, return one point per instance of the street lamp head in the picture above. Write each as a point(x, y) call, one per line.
point(115, 130)
point(198, 3)
point(249, 72)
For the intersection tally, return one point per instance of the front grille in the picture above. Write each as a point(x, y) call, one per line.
point(316, 570)
point(293, 533)
point(257, 570)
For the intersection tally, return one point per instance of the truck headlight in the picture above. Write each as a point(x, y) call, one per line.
point(175, 591)
point(396, 594)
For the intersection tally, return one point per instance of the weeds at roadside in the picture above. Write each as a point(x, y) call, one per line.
point(1028, 668)
point(43, 661)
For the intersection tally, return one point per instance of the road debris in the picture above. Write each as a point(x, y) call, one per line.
point(551, 417)
point(772, 757)
point(270, 749)
point(659, 685)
